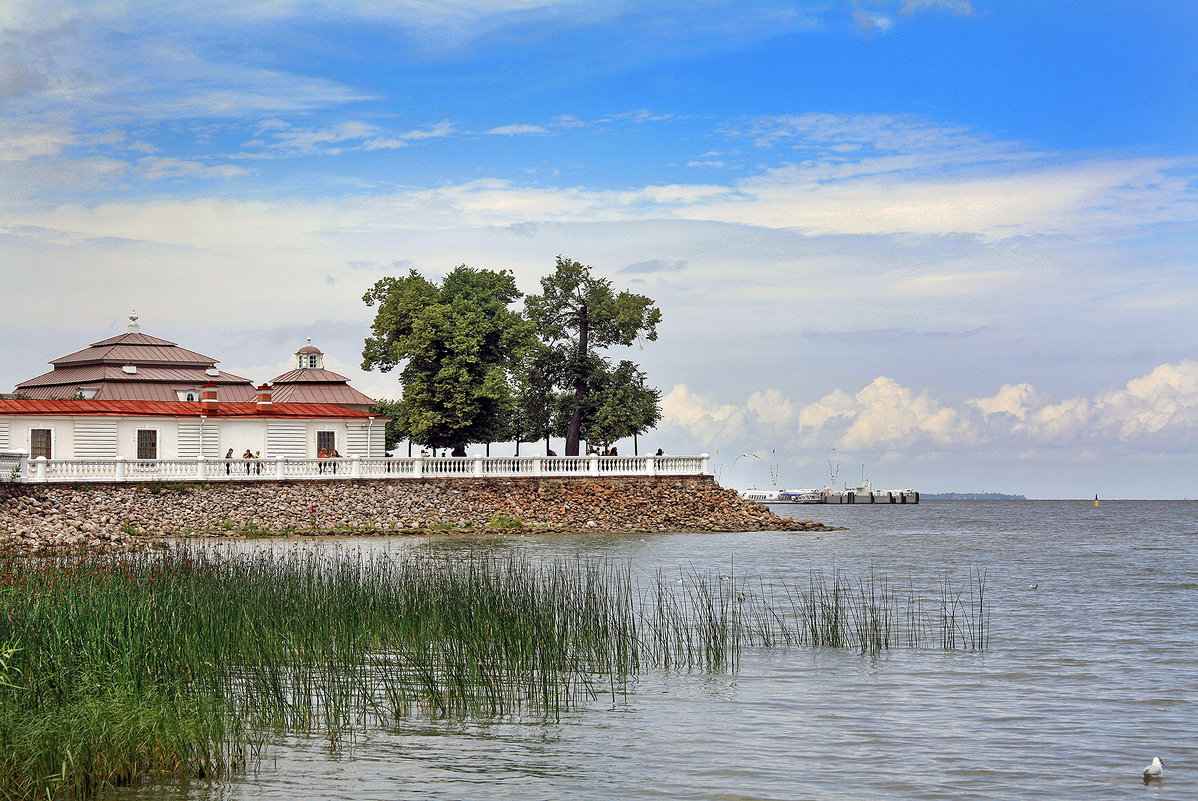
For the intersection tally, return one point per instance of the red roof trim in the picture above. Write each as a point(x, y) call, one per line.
point(129, 408)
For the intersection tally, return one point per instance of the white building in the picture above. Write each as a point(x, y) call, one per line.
point(141, 397)
point(91, 429)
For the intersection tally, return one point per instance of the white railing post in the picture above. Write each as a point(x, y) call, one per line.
point(650, 466)
point(280, 467)
point(121, 467)
point(478, 464)
point(704, 464)
point(417, 466)
point(536, 465)
point(593, 464)
point(355, 466)
point(23, 468)
point(201, 467)
point(39, 473)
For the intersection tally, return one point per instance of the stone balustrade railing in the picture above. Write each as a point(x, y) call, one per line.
point(18, 467)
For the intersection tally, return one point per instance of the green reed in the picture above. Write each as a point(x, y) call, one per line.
point(113, 667)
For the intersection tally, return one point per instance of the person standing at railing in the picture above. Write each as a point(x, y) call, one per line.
point(229, 462)
point(258, 462)
point(334, 456)
point(320, 457)
point(660, 452)
point(248, 456)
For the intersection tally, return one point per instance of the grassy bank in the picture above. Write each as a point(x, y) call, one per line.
point(113, 667)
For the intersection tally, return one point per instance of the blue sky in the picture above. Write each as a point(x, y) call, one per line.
point(953, 240)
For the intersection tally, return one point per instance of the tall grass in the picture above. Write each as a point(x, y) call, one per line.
point(113, 667)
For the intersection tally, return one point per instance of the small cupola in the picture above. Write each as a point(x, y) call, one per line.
point(309, 357)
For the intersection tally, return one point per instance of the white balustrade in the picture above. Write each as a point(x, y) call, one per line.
point(18, 467)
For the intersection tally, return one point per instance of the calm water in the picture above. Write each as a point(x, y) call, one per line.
point(1086, 679)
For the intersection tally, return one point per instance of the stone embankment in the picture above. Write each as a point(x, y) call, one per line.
point(125, 516)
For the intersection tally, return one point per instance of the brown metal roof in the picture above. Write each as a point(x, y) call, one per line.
point(133, 338)
point(320, 393)
point(309, 375)
point(125, 408)
point(155, 391)
point(76, 373)
point(136, 354)
point(309, 349)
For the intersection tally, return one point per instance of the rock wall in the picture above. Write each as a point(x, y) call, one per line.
point(47, 516)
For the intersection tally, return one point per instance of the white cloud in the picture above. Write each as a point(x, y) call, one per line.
point(517, 129)
point(156, 168)
point(1013, 399)
point(962, 7)
point(705, 420)
point(1158, 410)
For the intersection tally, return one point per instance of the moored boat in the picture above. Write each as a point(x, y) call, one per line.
point(783, 496)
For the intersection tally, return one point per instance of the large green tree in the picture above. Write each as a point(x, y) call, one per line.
point(621, 405)
point(456, 345)
point(576, 315)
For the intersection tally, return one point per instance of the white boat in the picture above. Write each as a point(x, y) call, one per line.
point(783, 496)
point(801, 496)
point(761, 496)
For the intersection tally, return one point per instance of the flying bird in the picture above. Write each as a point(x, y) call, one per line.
point(742, 456)
point(1155, 770)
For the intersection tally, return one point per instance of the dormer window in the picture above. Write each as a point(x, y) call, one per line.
point(190, 395)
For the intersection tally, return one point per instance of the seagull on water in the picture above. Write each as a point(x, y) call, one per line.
point(1033, 586)
point(1155, 770)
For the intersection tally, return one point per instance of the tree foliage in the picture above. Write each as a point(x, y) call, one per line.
point(620, 405)
point(396, 429)
point(457, 343)
point(576, 315)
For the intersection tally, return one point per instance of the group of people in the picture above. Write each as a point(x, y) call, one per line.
point(328, 453)
point(253, 462)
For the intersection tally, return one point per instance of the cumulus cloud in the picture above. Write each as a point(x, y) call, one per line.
point(706, 421)
point(1158, 410)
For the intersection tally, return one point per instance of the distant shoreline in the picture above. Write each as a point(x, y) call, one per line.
point(970, 496)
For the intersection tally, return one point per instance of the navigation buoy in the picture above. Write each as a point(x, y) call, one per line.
point(1096, 499)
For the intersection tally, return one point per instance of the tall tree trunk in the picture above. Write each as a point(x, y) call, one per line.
point(580, 388)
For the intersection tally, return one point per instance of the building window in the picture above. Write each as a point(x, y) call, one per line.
point(147, 443)
point(40, 440)
point(326, 442)
point(313, 362)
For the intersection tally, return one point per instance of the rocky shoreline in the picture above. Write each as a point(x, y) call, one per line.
point(45, 518)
